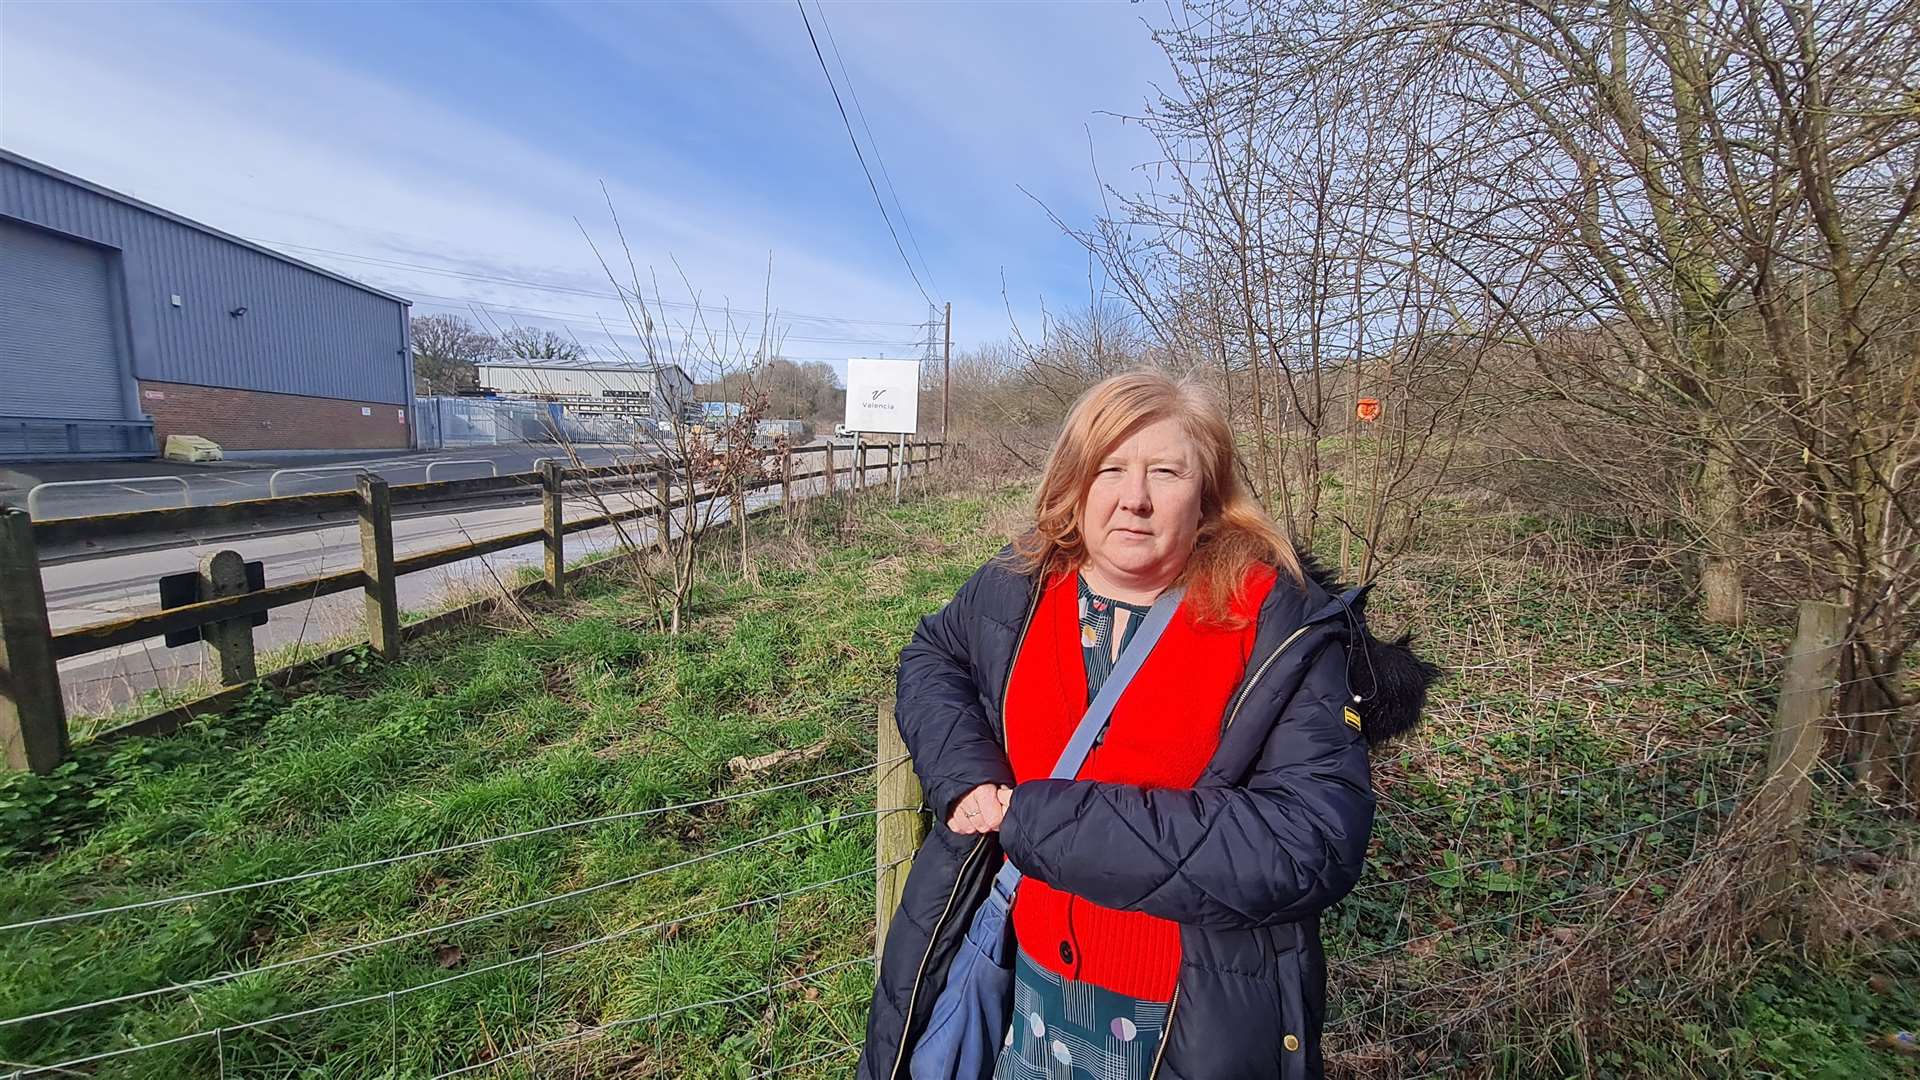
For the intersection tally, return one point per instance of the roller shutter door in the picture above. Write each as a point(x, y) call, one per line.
point(59, 347)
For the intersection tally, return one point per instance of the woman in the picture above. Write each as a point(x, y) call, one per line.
point(1167, 925)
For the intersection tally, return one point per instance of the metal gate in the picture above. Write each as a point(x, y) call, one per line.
point(450, 421)
point(60, 341)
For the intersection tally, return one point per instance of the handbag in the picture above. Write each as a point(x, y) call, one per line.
point(970, 1017)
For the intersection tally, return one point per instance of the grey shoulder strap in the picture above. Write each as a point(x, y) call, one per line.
point(1101, 708)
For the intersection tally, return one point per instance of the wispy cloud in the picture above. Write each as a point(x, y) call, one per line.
point(711, 128)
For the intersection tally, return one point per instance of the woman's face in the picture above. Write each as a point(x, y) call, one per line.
point(1143, 510)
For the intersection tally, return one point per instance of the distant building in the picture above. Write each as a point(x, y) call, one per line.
point(593, 387)
point(794, 431)
point(122, 323)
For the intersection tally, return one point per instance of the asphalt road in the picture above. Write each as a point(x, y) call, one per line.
point(93, 590)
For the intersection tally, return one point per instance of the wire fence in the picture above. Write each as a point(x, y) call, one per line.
point(1459, 962)
point(448, 849)
point(1502, 860)
point(219, 1035)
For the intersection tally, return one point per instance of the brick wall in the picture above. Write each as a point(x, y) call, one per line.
point(254, 420)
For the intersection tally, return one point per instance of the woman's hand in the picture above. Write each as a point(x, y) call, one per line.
point(980, 810)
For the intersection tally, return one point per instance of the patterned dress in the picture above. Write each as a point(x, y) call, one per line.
point(1064, 1029)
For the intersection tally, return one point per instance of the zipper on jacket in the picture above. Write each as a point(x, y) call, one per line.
point(1262, 670)
point(1166, 1033)
point(979, 845)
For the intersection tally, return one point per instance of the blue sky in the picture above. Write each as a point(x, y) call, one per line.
point(468, 138)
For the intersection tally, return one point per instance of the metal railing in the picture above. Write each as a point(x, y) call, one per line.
point(492, 469)
point(33, 496)
point(273, 481)
point(34, 729)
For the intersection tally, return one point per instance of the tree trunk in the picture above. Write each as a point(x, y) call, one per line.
point(1876, 753)
point(1723, 600)
point(739, 500)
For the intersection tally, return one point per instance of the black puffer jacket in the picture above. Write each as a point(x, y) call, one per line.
point(1274, 832)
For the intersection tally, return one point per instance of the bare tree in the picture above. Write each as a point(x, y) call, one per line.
point(1285, 241)
point(1024, 387)
point(1682, 235)
point(807, 391)
point(1833, 128)
point(447, 350)
point(691, 467)
point(540, 343)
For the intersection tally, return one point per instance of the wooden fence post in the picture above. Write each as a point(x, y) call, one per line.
point(859, 462)
point(663, 498)
point(831, 455)
point(553, 520)
point(376, 562)
point(224, 573)
point(896, 835)
point(1806, 695)
point(786, 483)
point(33, 719)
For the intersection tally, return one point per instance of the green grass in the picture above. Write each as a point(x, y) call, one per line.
point(473, 734)
point(1589, 743)
point(1591, 740)
point(88, 722)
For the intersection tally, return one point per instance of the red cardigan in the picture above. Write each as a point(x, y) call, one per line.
point(1163, 732)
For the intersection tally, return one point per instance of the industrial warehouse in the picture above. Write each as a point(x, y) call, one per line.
point(122, 324)
point(590, 388)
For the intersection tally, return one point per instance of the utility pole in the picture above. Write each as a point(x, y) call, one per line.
point(946, 376)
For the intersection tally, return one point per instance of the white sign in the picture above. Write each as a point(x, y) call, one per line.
point(883, 395)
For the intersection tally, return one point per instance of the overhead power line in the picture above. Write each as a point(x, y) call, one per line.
point(857, 152)
point(617, 331)
point(619, 319)
point(538, 286)
point(847, 78)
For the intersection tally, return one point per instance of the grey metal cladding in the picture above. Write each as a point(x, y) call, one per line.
point(304, 331)
point(60, 353)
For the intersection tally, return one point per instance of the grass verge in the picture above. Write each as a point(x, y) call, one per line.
point(1529, 911)
point(587, 712)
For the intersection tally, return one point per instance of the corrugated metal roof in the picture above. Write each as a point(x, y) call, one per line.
point(69, 178)
point(583, 364)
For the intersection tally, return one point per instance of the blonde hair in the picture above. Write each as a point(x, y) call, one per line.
point(1235, 532)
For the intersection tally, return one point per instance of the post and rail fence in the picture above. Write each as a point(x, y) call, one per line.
point(33, 720)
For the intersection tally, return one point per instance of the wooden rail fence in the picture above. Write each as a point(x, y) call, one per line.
point(33, 721)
